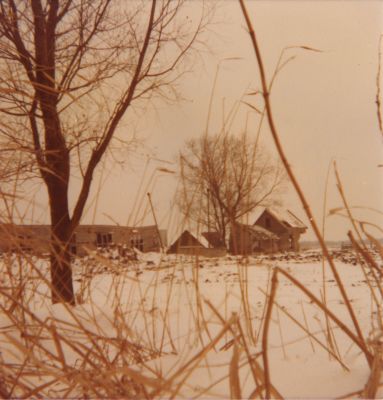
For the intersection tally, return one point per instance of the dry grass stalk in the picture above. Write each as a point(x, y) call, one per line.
point(264, 306)
point(242, 268)
point(306, 325)
point(235, 384)
point(270, 303)
point(281, 335)
point(330, 337)
point(346, 206)
point(329, 334)
point(374, 380)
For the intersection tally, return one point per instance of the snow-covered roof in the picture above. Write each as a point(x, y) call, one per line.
point(196, 234)
point(287, 217)
point(283, 215)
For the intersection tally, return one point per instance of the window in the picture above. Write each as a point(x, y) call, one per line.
point(104, 239)
point(24, 242)
point(137, 242)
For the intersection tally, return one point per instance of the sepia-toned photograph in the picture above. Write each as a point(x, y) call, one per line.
point(191, 199)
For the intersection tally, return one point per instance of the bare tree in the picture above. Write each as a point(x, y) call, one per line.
point(69, 72)
point(224, 178)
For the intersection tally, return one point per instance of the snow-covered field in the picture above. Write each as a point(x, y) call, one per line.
point(178, 326)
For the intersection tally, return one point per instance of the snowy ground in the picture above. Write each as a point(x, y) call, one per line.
point(168, 305)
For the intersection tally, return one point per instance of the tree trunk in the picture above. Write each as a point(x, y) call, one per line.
point(60, 259)
point(61, 275)
point(223, 236)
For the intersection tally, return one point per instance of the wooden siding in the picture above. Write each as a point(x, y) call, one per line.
point(248, 239)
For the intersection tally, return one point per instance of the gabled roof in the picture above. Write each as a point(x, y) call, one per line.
point(188, 239)
point(286, 217)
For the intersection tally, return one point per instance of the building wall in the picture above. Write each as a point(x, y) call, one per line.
point(36, 238)
point(89, 237)
point(244, 242)
point(240, 241)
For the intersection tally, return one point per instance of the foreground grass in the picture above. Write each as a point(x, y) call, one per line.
point(166, 326)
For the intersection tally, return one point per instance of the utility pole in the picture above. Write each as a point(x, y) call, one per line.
point(155, 221)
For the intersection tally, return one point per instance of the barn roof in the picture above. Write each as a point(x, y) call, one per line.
point(285, 216)
point(192, 239)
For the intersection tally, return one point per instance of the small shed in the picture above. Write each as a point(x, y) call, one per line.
point(187, 243)
point(194, 244)
point(249, 239)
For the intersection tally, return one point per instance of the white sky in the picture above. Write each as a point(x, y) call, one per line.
point(324, 108)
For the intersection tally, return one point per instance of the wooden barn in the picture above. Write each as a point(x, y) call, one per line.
point(283, 223)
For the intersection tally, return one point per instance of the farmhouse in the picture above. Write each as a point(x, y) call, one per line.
point(86, 238)
point(283, 223)
point(274, 230)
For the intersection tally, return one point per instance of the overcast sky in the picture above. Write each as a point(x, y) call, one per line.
point(324, 108)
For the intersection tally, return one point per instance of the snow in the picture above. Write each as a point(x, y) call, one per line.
point(281, 214)
point(287, 217)
point(166, 303)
